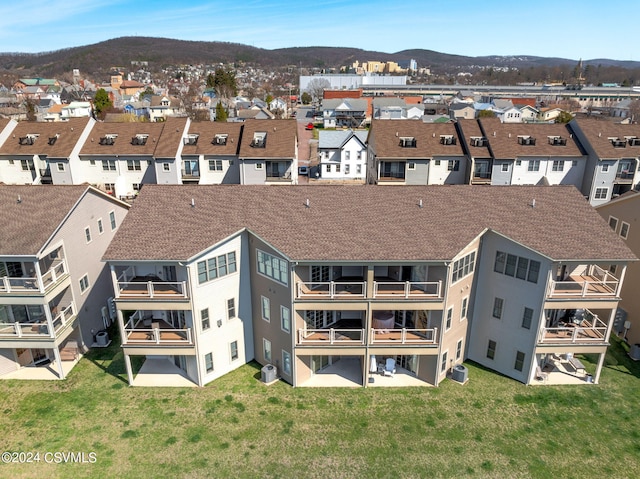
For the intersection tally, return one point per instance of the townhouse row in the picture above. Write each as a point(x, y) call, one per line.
point(600, 158)
point(328, 285)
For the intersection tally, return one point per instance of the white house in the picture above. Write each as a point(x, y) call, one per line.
point(342, 154)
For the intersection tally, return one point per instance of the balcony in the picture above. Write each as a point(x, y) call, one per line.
point(40, 329)
point(407, 289)
point(31, 284)
point(151, 287)
point(190, 174)
point(322, 337)
point(404, 336)
point(331, 290)
point(150, 331)
point(591, 282)
point(588, 328)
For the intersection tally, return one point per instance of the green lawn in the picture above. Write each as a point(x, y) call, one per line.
point(237, 427)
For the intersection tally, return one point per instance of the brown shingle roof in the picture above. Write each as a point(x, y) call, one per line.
point(281, 139)
point(385, 139)
point(171, 137)
point(598, 133)
point(28, 224)
point(207, 131)
point(469, 129)
point(67, 132)
point(503, 139)
point(123, 143)
point(363, 223)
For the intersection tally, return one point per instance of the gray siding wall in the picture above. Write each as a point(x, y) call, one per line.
point(171, 177)
point(250, 175)
point(61, 177)
point(499, 177)
point(420, 175)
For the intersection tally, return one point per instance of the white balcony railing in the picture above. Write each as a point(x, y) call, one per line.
point(31, 284)
point(407, 289)
point(152, 289)
point(160, 336)
point(54, 273)
point(64, 316)
point(331, 336)
point(331, 289)
point(592, 330)
point(39, 329)
point(404, 336)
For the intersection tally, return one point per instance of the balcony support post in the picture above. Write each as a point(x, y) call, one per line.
point(38, 274)
point(56, 354)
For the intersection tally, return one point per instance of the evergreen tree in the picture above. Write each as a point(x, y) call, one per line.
point(221, 113)
point(102, 103)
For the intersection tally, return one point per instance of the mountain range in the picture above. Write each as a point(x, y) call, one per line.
point(98, 58)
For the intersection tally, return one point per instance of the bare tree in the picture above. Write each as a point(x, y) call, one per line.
point(317, 86)
point(634, 111)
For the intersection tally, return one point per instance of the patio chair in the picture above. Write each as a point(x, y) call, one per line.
point(541, 375)
point(390, 367)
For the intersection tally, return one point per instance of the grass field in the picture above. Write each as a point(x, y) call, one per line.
point(237, 427)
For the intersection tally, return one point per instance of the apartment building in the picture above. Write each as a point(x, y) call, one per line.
point(269, 152)
point(613, 158)
point(335, 285)
point(521, 154)
point(414, 153)
point(623, 214)
point(53, 286)
point(41, 153)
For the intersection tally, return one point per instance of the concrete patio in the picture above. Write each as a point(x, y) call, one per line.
point(161, 372)
point(46, 372)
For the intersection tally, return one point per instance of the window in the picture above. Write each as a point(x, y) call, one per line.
point(501, 259)
point(347, 169)
point(27, 165)
point(100, 227)
point(208, 362)
point(604, 168)
point(613, 222)
point(347, 155)
point(266, 350)
point(231, 308)
point(338, 168)
point(112, 220)
point(133, 165)
point(87, 234)
point(463, 309)
point(558, 165)
point(519, 361)
point(109, 165)
point(259, 166)
point(601, 193)
point(459, 349)
point(491, 349)
point(498, 303)
point(518, 162)
point(166, 167)
point(359, 169)
point(136, 186)
point(234, 350)
point(216, 267)
point(505, 166)
point(463, 267)
point(437, 162)
point(443, 364)
point(523, 265)
point(275, 268)
point(533, 165)
point(286, 363)
point(84, 283)
point(109, 187)
point(527, 316)
point(510, 268)
point(574, 163)
point(624, 230)
point(266, 309)
point(215, 165)
point(534, 270)
point(328, 168)
point(60, 166)
point(285, 319)
point(453, 165)
point(411, 165)
point(204, 319)
point(449, 316)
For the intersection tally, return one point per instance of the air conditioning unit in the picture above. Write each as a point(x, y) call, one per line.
point(269, 373)
point(460, 374)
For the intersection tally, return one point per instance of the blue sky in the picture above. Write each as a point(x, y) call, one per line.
point(574, 29)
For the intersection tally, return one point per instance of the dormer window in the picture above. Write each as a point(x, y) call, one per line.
point(479, 141)
point(408, 142)
point(618, 142)
point(557, 141)
point(259, 139)
point(634, 141)
point(191, 139)
point(108, 139)
point(52, 139)
point(139, 140)
point(28, 140)
point(220, 139)
point(526, 140)
point(447, 140)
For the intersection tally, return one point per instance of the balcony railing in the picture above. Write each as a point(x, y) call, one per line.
point(39, 329)
point(31, 284)
point(331, 289)
point(404, 336)
point(331, 336)
point(592, 282)
point(191, 174)
point(152, 289)
point(407, 289)
point(139, 330)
